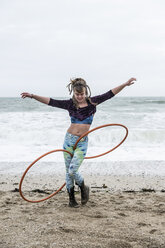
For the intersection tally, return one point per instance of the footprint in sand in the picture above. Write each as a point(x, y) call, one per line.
point(153, 231)
point(25, 211)
point(7, 209)
point(140, 224)
point(96, 214)
point(122, 214)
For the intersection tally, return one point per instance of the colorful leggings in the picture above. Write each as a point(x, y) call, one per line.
point(73, 163)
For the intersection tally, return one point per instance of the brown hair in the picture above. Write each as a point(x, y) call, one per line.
point(79, 84)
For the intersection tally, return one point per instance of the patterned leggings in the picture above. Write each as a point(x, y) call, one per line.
point(73, 163)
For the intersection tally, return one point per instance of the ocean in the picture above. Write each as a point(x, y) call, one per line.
point(29, 129)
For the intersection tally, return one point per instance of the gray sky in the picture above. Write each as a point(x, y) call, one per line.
point(44, 43)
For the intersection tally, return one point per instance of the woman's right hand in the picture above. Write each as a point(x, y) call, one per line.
point(26, 94)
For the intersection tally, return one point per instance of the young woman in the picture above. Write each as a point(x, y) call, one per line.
point(81, 108)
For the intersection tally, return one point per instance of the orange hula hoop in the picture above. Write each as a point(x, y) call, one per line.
point(23, 176)
point(106, 125)
point(57, 150)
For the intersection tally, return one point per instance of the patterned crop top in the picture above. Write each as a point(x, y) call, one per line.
point(82, 115)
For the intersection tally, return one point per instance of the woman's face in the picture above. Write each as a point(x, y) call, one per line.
point(80, 97)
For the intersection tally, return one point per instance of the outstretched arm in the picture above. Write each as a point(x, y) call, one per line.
point(38, 98)
point(122, 86)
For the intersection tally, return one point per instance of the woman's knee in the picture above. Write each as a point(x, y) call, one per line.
point(73, 171)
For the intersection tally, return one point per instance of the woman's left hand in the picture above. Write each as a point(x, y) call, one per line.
point(130, 81)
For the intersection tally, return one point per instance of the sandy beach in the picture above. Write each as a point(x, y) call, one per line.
point(122, 212)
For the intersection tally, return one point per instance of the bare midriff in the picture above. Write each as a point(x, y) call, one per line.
point(78, 129)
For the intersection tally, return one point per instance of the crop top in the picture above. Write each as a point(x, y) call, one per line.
point(87, 120)
point(82, 115)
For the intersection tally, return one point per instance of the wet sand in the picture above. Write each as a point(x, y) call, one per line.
point(122, 212)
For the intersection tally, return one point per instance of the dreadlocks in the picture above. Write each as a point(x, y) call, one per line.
point(79, 84)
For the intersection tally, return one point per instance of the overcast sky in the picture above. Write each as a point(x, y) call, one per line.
point(44, 43)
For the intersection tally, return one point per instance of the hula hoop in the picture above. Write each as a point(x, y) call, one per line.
point(23, 176)
point(106, 125)
point(57, 150)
